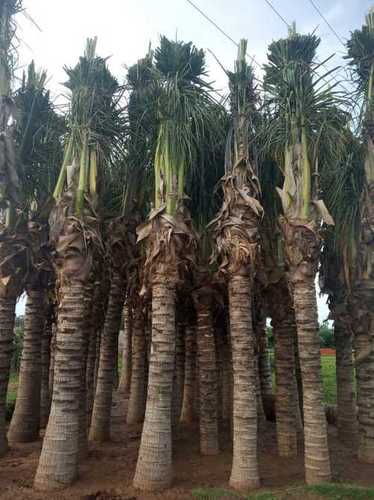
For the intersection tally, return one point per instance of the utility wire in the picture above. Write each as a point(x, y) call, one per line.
point(339, 38)
point(278, 13)
point(333, 77)
point(213, 23)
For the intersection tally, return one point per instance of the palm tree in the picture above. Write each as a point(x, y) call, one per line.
point(304, 115)
point(280, 308)
point(14, 255)
point(237, 239)
point(343, 188)
point(75, 232)
point(38, 134)
point(360, 56)
point(181, 104)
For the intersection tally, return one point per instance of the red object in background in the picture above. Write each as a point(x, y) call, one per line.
point(327, 351)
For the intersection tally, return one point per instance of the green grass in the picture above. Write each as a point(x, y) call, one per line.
point(12, 388)
point(330, 491)
point(329, 378)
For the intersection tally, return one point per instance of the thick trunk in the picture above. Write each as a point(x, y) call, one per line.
point(188, 413)
point(45, 395)
point(285, 396)
point(7, 315)
point(121, 396)
point(24, 426)
point(154, 467)
point(178, 383)
point(227, 393)
point(58, 463)
point(317, 459)
point(87, 332)
point(244, 472)
point(96, 322)
point(100, 421)
point(346, 404)
point(207, 377)
point(264, 366)
point(97, 361)
point(364, 360)
point(125, 380)
point(90, 372)
point(137, 399)
point(52, 362)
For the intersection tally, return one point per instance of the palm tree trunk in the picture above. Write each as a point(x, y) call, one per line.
point(137, 400)
point(97, 320)
point(58, 462)
point(209, 444)
point(45, 399)
point(100, 422)
point(83, 420)
point(346, 404)
point(285, 398)
point(154, 467)
point(317, 459)
point(188, 413)
point(227, 396)
point(121, 396)
point(52, 362)
point(7, 316)
point(90, 371)
point(125, 380)
point(24, 426)
point(364, 360)
point(244, 472)
point(178, 384)
point(264, 367)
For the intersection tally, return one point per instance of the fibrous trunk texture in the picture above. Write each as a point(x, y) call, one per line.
point(100, 421)
point(317, 459)
point(286, 401)
point(52, 361)
point(45, 395)
point(285, 396)
point(209, 444)
point(178, 383)
point(264, 367)
point(364, 360)
point(346, 404)
point(58, 462)
point(154, 467)
point(7, 315)
point(137, 399)
point(24, 426)
point(87, 331)
point(244, 472)
point(227, 393)
point(121, 396)
point(188, 412)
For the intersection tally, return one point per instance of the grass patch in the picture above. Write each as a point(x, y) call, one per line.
point(221, 494)
point(328, 364)
point(341, 491)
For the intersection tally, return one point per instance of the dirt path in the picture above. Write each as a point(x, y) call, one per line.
point(108, 471)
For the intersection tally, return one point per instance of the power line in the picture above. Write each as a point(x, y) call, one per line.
point(327, 22)
point(210, 20)
point(277, 13)
point(333, 77)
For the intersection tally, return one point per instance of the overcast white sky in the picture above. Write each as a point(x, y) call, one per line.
point(125, 28)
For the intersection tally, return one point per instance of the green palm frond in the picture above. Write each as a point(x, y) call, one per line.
point(39, 135)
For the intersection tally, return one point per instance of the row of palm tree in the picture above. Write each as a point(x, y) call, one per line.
point(194, 219)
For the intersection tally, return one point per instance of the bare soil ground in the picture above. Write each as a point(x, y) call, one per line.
point(107, 472)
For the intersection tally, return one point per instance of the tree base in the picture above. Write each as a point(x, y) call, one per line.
point(244, 485)
point(48, 484)
point(22, 437)
point(143, 484)
point(4, 447)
